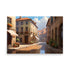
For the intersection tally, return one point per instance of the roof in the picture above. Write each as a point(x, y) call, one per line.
point(19, 19)
point(48, 23)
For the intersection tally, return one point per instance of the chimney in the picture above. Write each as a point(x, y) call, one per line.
point(35, 23)
point(20, 17)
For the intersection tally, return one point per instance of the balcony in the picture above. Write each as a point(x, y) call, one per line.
point(26, 32)
point(21, 32)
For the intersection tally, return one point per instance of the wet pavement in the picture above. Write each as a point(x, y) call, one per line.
point(45, 48)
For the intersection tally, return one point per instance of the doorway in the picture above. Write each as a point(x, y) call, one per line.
point(9, 39)
point(61, 35)
point(26, 39)
point(21, 40)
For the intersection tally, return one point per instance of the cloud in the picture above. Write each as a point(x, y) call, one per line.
point(41, 23)
point(36, 20)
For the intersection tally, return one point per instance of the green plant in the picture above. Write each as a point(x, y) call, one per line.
point(50, 42)
point(53, 43)
point(32, 42)
point(56, 45)
point(17, 39)
point(16, 44)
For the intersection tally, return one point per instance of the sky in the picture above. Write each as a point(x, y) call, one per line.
point(41, 21)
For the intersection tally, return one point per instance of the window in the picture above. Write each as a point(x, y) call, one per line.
point(20, 39)
point(9, 20)
point(26, 22)
point(21, 29)
point(21, 23)
point(17, 29)
point(26, 28)
point(16, 23)
point(51, 19)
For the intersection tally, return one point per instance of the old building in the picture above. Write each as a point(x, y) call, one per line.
point(55, 30)
point(27, 30)
point(11, 30)
point(48, 29)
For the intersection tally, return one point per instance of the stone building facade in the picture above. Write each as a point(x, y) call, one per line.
point(27, 30)
point(48, 29)
point(55, 30)
point(11, 30)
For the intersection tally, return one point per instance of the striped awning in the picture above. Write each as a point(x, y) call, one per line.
point(12, 33)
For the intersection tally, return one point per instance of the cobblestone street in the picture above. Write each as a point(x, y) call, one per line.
point(40, 47)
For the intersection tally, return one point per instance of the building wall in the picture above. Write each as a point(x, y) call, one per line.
point(13, 22)
point(49, 30)
point(53, 30)
point(56, 24)
point(31, 28)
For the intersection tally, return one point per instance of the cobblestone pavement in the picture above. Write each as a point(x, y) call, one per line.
point(48, 49)
point(40, 48)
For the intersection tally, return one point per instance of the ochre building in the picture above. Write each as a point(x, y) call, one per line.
point(27, 30)
point(11, 30)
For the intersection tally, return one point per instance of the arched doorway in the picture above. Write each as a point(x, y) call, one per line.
point(9, 38)
point(61, 35)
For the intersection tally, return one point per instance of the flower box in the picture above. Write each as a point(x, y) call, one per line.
point(16, 44)
point(9, 25)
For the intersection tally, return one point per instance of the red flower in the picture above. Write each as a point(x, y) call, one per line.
point(10, 25)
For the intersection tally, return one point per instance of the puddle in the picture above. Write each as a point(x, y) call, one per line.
point(42, 51)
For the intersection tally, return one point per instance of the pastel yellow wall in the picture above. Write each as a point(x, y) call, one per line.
point(31, 28)
point(13, 22)
point(24, 26)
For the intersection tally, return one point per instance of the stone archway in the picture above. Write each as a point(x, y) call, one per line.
point(61, 35)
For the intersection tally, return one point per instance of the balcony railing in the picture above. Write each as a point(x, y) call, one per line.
point(26, 32)
point(21, 32)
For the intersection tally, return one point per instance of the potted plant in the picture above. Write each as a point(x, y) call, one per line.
point(16, 44)
point(17, 40)
point(50, 42)
point(47, 42)
point(31, 42)
point(53, 44)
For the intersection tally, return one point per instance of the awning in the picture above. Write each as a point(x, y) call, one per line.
point(37, 37)
point(12, 33)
